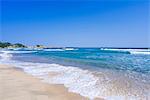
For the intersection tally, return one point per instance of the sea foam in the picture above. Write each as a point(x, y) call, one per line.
point(75, 79)
point(53, 50)
point(87, 83)
point(15, 51)
point(131, 51)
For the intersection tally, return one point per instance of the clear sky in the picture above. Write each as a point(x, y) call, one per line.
point(84, 23)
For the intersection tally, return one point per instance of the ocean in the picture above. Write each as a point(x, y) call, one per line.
point(109, 73)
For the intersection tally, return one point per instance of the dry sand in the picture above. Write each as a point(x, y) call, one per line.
point(17, 85)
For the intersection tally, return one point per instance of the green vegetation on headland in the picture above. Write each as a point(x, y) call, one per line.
point(39, 46)
point(19, 45)
point(10, 45)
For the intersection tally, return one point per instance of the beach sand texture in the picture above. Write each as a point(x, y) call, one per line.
point(16, 85)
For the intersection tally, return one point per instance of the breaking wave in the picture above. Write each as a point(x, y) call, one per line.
point(106, 84)
point(131, 51)
point(53, 50)
point(13, 51)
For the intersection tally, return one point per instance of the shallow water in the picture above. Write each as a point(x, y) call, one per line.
point(92, 72)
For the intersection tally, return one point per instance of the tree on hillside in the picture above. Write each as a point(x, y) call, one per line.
point(39, 46)
point(5, 44)
point(18, 45)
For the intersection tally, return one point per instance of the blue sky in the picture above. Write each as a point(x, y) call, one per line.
point(115, 23)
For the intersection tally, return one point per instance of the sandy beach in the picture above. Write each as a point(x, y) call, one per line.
point(17, 85)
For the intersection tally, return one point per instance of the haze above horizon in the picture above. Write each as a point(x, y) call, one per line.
point(81, 23)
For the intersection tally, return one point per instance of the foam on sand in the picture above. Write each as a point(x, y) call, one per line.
point(105, 84)
point(5, 56)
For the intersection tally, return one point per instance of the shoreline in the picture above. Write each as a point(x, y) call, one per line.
point(17, 85)
point(55, 81)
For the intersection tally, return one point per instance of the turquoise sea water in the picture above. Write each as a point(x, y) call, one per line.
point(95, 57)
point(112, 74)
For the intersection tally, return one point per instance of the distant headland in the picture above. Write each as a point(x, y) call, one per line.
point(17, 45)
point(9, 45)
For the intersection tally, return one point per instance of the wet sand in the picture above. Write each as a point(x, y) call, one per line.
point(17, 85)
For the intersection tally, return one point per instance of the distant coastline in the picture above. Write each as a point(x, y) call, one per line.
point(8, 45)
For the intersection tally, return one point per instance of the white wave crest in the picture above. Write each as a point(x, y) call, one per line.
point(5, 56)
point(70, 49)
point(131, 51)
point(53, 50)
point(18, 51)
point(85, 82)
point(75, 79)
point(140, 52)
